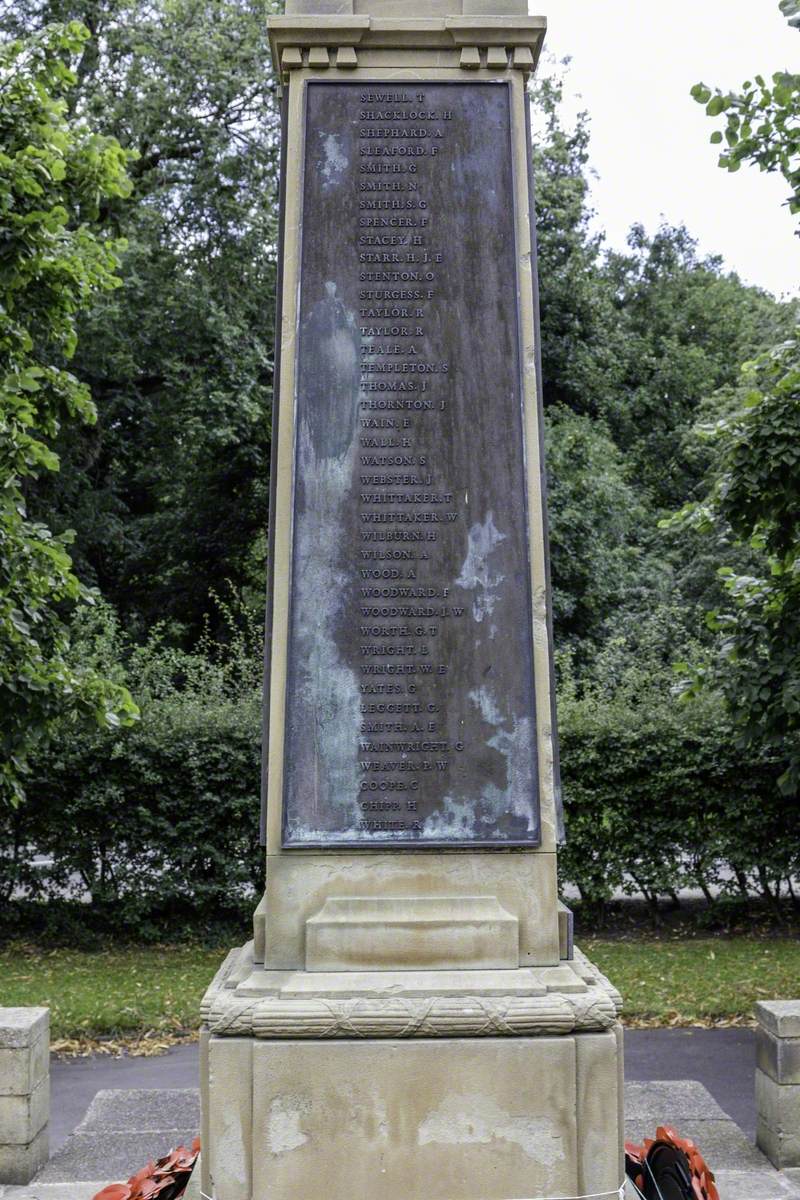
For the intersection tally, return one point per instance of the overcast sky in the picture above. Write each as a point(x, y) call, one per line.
point(633, 64)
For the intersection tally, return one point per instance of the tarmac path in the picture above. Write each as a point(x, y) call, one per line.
point(721, 1059)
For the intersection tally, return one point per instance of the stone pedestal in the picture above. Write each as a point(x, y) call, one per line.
point(410, 1019)
point(778, 1081)
point(24, 1092)
point(426, 1085)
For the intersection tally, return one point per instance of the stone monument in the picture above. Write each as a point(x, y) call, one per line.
point(410, 1019)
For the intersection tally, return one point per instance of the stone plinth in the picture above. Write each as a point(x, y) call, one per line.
point(24, 1092)
point(778, 1081)
point(385, 933)
point(300, 888)
point(432, 1085)
point(410, 1019)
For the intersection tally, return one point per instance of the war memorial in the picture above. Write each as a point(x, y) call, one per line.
point(411, 1018)
point(319, 233)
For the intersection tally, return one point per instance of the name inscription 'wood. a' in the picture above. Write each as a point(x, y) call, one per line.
point(410, 707)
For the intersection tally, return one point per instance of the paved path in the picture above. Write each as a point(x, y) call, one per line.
point(74, 1082)
point(123, 1129)
point(723, 1060)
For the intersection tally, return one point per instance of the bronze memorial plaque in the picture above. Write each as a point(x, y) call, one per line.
point(410, 699)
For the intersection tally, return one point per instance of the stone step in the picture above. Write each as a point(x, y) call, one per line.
point(77, 1190)
point(736, 1185)
point(124, 1129)
point(742, 1172)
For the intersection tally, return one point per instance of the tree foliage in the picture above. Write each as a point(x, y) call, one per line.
point(55, 174)
point(632, 342)
point(682, 327)
point(169, 490)
point(596, 526)
point(658, 796)
point(157, 825)
point(755, 499)
point(762, 120)
point(754, 490)
point(576, 308)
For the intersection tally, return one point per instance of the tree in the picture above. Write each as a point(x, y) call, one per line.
point(595, 519)
point(169, 490)
point(754, 493)
point(762, 120)
point(682, 326)
point(755, 499)
point(631, 343)
point(55, 174)
point(578, 361)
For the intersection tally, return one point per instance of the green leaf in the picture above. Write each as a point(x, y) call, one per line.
point(55, 264)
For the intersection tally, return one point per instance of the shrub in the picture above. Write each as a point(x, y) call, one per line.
point(154, 830)
point(158, 825)
point(657, 795)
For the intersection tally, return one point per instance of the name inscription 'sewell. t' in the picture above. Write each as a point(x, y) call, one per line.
point(410, 698)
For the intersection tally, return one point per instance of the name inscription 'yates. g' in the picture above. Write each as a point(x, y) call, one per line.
point(410, 696)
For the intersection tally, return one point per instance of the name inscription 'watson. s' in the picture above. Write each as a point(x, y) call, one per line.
point(410, 703)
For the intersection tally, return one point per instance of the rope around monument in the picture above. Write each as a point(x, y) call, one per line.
point(588, 1196)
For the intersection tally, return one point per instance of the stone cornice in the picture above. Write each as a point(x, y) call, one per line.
point(408, 1017)
point(297, 41)
point(572, 997)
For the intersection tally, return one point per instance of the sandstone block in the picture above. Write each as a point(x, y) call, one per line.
point(599, 1127)
point(778, 1120)
point(22, 1117)
point(781, 1149)
point(298, 888)
point(21, 1027)
point(23, 1067)
point(457, 1119)
point(230, 1117)
point(407, 933)
point(780, 1017)
point(203, 1173)
point(19, 1163)
point(778, 1057)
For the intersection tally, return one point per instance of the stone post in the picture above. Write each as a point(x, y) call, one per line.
point(411, 1019)
point(778, 1081)
point(24, 1092)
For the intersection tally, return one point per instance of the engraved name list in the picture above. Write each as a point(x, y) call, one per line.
point(409, 712)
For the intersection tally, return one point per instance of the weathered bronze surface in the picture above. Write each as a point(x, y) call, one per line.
point(410, 707)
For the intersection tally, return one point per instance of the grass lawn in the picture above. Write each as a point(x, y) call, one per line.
point(157, 989)
point(112, 993)
point(697, 980)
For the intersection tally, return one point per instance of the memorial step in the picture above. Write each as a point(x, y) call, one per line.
point(123, 1129)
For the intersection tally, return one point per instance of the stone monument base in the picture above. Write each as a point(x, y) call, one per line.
point(425, 1085)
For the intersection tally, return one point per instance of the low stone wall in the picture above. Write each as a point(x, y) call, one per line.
point(778, 1081)
point(24, 1092)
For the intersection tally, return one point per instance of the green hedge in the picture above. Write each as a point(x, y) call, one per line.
point(157, 826)
point(659, 797)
